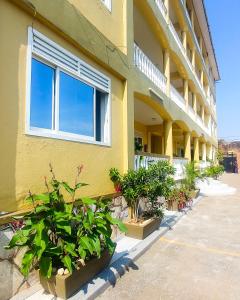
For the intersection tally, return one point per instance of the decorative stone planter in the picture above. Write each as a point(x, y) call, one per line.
point(66, 285)
point(142, 230)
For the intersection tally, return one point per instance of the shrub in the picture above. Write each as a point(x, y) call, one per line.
point(62, 235)
point(151, 184)
point(191, 175)
point(214, 171)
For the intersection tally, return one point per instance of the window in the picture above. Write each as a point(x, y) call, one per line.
point(68, 99)
point(108, 4)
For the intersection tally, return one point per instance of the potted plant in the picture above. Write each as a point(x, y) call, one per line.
point(191, 176)
point(67, 243)
point(144, 190)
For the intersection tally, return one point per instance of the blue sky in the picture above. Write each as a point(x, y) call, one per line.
point(224, 19)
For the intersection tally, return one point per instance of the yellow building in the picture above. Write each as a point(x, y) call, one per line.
point(80, 79)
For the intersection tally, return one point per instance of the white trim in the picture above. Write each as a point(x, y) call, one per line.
point(108, 4)
point(58, 66)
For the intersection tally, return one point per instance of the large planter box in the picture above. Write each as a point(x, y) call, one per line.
point(142, 230)
point(66, 285)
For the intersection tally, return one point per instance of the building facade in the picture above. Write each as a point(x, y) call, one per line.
point(82, 80)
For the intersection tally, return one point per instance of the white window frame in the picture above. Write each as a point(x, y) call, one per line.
point(55, 132)
point(108, 4)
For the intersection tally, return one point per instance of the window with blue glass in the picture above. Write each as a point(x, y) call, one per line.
point(64, 105)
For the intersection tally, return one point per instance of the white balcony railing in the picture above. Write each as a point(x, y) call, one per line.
point(177, 98)
point(146, 66)
point(161, 6)
point(144, 159)
point(179, 164)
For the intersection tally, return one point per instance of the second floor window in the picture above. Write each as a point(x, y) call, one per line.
point(63, 105)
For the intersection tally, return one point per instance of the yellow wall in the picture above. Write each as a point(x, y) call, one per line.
point(113, 26)
point(146, 40)
point(24, 159)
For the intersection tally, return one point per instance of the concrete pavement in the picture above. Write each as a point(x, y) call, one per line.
point(198, 259)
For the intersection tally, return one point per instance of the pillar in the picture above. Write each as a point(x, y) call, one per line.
point(185, 87)
point(204, 152)
point(187, 145)
point(166, 65)
point(192, 18)
point(168, 139)
point(196, 149)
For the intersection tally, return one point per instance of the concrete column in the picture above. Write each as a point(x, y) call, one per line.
point(192, 18)
point(185, 89)
point(187, 145)
point(166, 65)
point(168, 139)
point(204, 152)
point(210, 152)
point(196, 149)
point(195, 103)
point(184, 39)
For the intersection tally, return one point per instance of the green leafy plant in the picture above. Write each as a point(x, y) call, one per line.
point(152, 184)
point(214, 171)
point(63, 235)
point(191, 175)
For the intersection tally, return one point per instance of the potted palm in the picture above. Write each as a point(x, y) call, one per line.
point(191, 176)
point(67, 243)
point(145, 191)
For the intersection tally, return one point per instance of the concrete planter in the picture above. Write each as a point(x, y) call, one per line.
point(66, 285)
point(142, 230)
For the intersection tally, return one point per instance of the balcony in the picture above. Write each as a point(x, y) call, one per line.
point(145, 159)
point(147, 67)
point(177, 98)
point(163, 11)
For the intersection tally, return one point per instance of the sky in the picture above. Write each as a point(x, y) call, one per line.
point(224, 21)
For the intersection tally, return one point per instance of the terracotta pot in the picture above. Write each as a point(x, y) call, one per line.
point(142, 230)
point(66, 285)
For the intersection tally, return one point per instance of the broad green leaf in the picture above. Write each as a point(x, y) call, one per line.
point(67, 188)
point(88, 201)
point(90, 214)
point(42, 197)
point(96, 245)
point(27, 262)
point(110, 245)
point(54, 251)
point(64, 225)
point(17, 240)
point(41, 208)
point(85, 242)
point(67, 262)
point(45, 266)
point(70, 248)
point(79, 185)
point(82, 252)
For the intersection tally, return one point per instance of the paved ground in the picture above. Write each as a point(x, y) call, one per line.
point(198, 259)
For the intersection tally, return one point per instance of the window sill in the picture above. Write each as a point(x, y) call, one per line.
point(64, 137)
